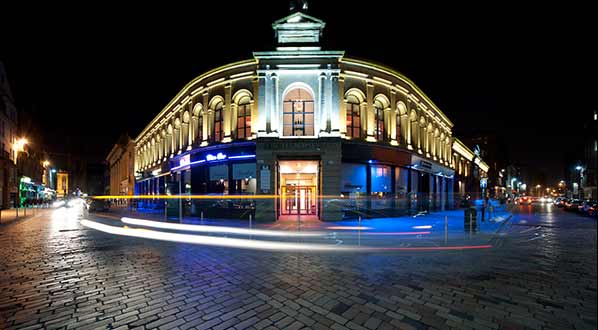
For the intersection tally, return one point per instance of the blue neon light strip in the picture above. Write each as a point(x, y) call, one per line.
point(242, 157)
point(212, 161)
point(192, 163)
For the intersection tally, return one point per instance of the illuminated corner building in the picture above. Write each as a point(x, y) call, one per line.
point(311, 126)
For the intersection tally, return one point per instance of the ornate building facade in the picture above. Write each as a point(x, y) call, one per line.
point(327, 135)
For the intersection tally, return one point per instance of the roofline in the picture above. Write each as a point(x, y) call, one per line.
point(180, 95)
point(398, 75)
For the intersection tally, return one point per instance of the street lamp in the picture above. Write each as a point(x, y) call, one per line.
point(19, 146)
point(538, 190)
point(580, 169)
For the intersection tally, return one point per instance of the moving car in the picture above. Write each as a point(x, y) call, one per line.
point(523, 200)
point(97, 205)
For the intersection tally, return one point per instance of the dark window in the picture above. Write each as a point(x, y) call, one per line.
point(379, 119)
point(218, 132)
point(353, 120)
point(398, 128)
point(244, 121)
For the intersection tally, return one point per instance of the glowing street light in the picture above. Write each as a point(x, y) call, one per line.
point(19, 146)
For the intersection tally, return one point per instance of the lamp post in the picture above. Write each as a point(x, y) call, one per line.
point(19, 146)
point(580, 169)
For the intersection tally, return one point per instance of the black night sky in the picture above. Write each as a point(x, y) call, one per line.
point(86, 75)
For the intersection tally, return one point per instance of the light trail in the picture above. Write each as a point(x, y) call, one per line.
point(214, 241)
point(218, 229)
point(400, 233)
point(422, 227)
point(257, 244)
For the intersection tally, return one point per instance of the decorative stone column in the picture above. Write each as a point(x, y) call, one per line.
point(342, 104)
point(274, 106)
point(334, 101)
point(255, 117)
point(370, 119)
point(227, 118)
point(392, 123)
point(408, 139)
point(234, 109)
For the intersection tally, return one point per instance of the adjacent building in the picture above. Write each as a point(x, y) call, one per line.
point(326, 135)
point(589, 165)
point(120, 162)
point(8, 131)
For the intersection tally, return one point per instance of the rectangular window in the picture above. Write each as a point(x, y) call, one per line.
point(379, 119)
point(298, 118)
point(244, 121)
point(218, 132)
point(398, 128)
point(353, 121)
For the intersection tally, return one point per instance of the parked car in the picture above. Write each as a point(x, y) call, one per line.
point(560, 201)
point(573, 205)
point(586, 206)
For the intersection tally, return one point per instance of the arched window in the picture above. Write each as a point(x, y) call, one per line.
point(379, 121)
point(353, 117)
point(298, 113)
point(244, 118)
point(218, 130)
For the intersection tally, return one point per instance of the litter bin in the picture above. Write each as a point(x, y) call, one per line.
point(470, 218)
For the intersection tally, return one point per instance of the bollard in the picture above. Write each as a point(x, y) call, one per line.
point(470, 223)
point(445, 230)
point(359, 232)
point(250, 226)
point(201, 217)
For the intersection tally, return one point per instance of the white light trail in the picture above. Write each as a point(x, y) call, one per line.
point(214, 241)
point(218, 229)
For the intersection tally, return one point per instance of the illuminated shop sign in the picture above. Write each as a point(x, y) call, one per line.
point(219, 156)
point(185, 160)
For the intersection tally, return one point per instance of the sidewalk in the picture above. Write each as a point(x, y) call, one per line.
point(10, 215)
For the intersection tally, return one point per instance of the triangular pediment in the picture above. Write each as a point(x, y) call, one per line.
point(298, 17)
point(298, 28)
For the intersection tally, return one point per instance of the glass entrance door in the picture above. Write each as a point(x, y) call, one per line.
point(299, 200)
point(298, 187)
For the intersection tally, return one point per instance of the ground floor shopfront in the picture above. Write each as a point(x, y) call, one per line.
point(323, 179)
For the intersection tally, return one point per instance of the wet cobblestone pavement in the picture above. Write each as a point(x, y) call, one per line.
point(56, 274)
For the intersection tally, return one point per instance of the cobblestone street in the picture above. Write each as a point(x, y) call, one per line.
point(56, 274)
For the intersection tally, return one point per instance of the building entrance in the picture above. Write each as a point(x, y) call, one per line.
point(298, 186)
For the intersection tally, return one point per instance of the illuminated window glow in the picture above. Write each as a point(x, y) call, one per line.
point(298, 113)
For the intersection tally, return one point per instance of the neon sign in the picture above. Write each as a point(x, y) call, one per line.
point(219, 156)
